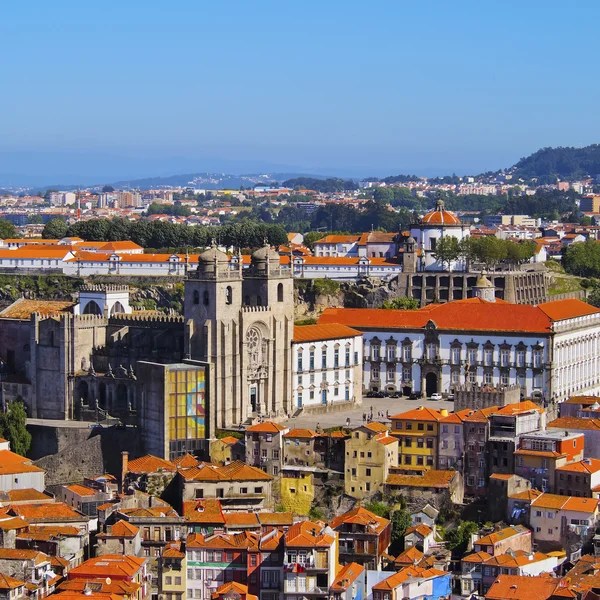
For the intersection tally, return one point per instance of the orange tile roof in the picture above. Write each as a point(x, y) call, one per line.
point(519, 408)
point(517, 558)
point(230, 440)
point(410, 556)
point(517, 587)
point(266, 427)
point(482, 415)
point(235, 471)
point(46, 531)
point(423, 413)
point(501, 535)
point(431, 478)
point(567, 309)
point(149, 464)
point(108, 565)
point(504, 476)
point(245, 539)
point(27, 494)
point(583, 400)
point(476, 557)
point(23, 308)
point(203, 511)
point(376, 427)
point(393, 581)
point(34, 555)
point(9, 583)
point(386, 440)
point(121, 529)
point(557, 502)
point(422, 529)
point(13, 523)
point(173, 550)
point(301, 433)
point(587, 465)
point(347, 575)
point(529, 495)
point(575, 423)
point(307, 535)
point(311, 333)
point(186, 461)
point(338, 239)
point(81, 490)
point(543, 453)
point(473, 315)
point(12, 463)
point(241, 519)
point(276, 519)
point(52, 511)
point(116, 246)
point(361, 516)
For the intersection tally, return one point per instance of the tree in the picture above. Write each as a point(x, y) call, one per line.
point(107, 189)
point(35, 219)
point(401, 304)
point(582, 259)
point(447, 250)
point(401, 521)
point(55, 229)
point(7, 230)
point(379, 508)
point(13, 427)
point(457, 539)
point(593, 296)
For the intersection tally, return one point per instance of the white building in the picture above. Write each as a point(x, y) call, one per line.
point(17, 472)
point(550, 350)
point(327, 363)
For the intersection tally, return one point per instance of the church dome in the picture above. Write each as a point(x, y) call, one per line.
point(265, 254)
point(440, 216)
point(212, 255)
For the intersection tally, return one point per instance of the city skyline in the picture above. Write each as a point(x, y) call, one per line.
point(376, 89)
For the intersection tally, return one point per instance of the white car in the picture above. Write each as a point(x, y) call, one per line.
point(436, 396)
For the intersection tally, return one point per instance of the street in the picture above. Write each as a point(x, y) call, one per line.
point(392, 405)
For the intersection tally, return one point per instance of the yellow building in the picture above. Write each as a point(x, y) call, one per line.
point(297, 491)
point(417, 432)
point(172, 573)
point(226, 450)
point(370, 453)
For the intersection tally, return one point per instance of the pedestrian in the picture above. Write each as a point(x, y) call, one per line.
point(387, 414)
point(318, 426)
point(364, 417)
point(347, 422)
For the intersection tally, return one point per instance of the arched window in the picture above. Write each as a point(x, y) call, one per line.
point(247, 300)
point(117, 308)
point(258, 301)
point(92, 308)
point(280, 292)
point(228, 295)
point(205, 298)
point(196, 297)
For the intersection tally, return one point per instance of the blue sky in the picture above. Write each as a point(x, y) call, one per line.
point(392, 86)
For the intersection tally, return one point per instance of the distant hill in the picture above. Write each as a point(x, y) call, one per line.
point(550, 164)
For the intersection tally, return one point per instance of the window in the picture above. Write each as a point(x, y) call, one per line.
point(253, 560)
point(336, 358)
point(472, 377)
point(323, 359)
point(420, 460)
point(376, 351)
point(444, 428)
point(276, 454)
point(504, 357)
point(420, 426)
point(454, 376)
point(407, 459)
point(228, 295)
point(406, 353)
point(168, 580)
point(504, 378)
point(472, 355)
point(375, 371)
point(456, 355)
point(196, 300)
point(408, 442)
point(347, 357)
point(368, 472)
point(488, 357)
point(391, 373)
point(244, 490)
point(258, 490)
point(299, 364)
point(431, 351)
point(280, 292)
point(311, 360)
point(205, 298)
point(406, 374)
point(391, 353)
point(538, 513)
point(408, 426)
point(520, 358)
point(429, 426)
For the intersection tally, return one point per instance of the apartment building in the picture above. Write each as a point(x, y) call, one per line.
point(371, 452)
point(172, 572)
point(580, 479)
point(476, 428)
point(264, 446)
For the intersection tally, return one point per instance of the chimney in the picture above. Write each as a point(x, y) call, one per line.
point(124, 468)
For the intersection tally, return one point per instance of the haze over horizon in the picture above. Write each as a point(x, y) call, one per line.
point(99, 93)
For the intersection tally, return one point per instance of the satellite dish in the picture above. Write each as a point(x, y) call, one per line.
point(108, 581)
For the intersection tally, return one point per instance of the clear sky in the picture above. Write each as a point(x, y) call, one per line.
point(396, 85)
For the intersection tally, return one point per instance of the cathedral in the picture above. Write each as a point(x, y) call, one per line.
point(225, 362)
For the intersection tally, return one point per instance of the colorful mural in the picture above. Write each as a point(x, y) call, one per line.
point(187, 403)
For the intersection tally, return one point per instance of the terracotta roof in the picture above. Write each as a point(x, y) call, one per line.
point(346, 576)
point(81, 490)
point(482, 415)
point(12, 463)
point(186, 461)
point(575, 423)
point(307, 535)
point(301, 433)
point(519, 408)
point(13, 523)
point(9, 583)
point(151, 511)
point(116, 246)
point(11, 554)
point(266, 427)
point(108, 565)
point(99, 585)
point(587, 465)
point(529, 495)
point(517, 587)
point(503, 476)
point(27, 494)
point(52, 511)
point(241, 519)
point(149, 464)
point(476, 557)
point(544, 453)
point(410, 556)
point(233, 587)
point(310, 333)
point(393, 581)
point(203, 511)
point(440, 217)
point(276, 519)
point(423, 413)
point(517, 558)
point(422, 529)
point(338, 239)
point(555, 501)
point(361, 516)
point(500, 536)
point(559, 310)
point(385, 440)
point(121, 529)
point(583, 400)
point(432, 479)
point(231, 441)
point(245, 539)
point(376, 427)
point(23, 308)
point(472, 314)
point(235, 471)
point(173, 550)
point(48, 531)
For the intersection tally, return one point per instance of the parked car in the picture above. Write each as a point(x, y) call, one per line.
point(450, 398)
point(396, 395)
point(435, 396)
point(415, 396)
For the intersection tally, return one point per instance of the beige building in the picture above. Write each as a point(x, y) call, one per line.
point(370, 453)
point(172, 573)
point(226, 450)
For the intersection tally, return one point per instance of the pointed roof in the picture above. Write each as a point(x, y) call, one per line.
point(9, 583)
point(361, 516)
point(423, 413)
point(186, 461)
point(411, 556)
point(150, 464)
point(266, 427)
point(307, 534)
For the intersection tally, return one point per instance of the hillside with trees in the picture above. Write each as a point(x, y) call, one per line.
point(568, 163)
point(333, 184)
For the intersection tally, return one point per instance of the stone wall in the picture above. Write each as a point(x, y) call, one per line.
point(68, 454)
point(476, 397)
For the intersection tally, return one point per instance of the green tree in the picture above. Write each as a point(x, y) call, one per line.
point(7, 230)
point(401, 521)
point(582, 259)
point(13, 427)
point(55, 229)
point(108, 188)
point(379, 508)
point(447, 250)
point(593, 296)
point(35, 219)
point(383, 194)
point(403, 303)
point(457, 539)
